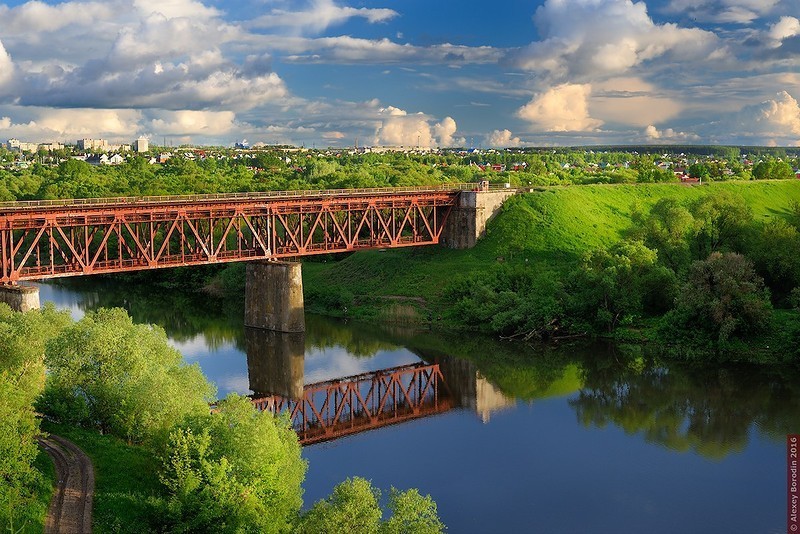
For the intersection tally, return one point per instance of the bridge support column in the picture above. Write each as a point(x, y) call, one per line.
point(20, 298)
point(467, 222)
point(274, 296)
point(275, 362)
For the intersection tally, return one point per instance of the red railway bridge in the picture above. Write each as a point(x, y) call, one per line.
point(49, 239)
point(336, 408)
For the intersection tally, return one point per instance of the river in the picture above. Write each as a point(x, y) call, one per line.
point(577, 438)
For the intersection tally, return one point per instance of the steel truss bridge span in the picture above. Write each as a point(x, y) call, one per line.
point(49, 239)
point(337, 408)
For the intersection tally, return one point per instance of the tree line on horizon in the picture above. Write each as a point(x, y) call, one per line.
point(270, 171)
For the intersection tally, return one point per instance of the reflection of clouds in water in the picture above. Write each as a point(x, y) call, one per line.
point(234, 384)
point(197, 347)
point(336, 362)
point(64, 299)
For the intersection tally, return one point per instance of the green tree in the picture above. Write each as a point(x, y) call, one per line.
point(354, 506)
point(699, 170)
point(22, 340)
point(723, 298)
point(721, 222)
point(667, 229)
point(612, 286)
point(236, 470)
point(411, 512)
point(775, 250)
point(122, 378)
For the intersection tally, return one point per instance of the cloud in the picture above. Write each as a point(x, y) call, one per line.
point(333, 135)
point(723, 11)
point(352, 50)
point(444, 131)
point(631, 101)
point(190, 123)
point(560, 109)
point(785, 28)
point(502, 139)
point(6, 66)
point(171, 9)
point(319, 16)
point(594, 39)
point(773, 121)
point(45, 124)
point(651, 133)
point(398, 128)
point(33, 17)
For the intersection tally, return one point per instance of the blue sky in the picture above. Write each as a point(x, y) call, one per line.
point(433, 73)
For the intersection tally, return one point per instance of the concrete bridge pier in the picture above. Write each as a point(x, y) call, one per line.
point(467, 221)
point(274, 296)
point(275, 362)
point(20, 298)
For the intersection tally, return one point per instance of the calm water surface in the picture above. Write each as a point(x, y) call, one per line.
point(575, 439)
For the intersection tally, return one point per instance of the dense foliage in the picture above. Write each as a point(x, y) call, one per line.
point(230, 469)
point(354, 506)
point(607, 261)
point(22, 340)
point(196, 171)
point(237, 470)
point(122, 378)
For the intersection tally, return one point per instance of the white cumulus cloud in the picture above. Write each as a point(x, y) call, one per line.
point(189, 123)
point(502, 139)
point(397, 127)
point(6, 66)
point(785, 28)
point(561, 109)
point(651, 133)
point(591, 39)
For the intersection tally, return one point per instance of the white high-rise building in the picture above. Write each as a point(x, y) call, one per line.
point(141, 145)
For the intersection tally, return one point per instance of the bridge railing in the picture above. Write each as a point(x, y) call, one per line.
point(215, 197)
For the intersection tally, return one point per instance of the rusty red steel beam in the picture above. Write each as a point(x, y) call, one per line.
point(337, 408)
point(40, 240)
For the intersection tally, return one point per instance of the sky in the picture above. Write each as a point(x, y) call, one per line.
point(429, 73)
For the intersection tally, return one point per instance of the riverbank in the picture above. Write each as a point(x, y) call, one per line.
point(539, 238)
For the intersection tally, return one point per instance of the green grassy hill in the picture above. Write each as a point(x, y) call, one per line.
point(545, 230)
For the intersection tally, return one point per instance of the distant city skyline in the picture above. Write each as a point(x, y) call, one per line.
point(410, 72)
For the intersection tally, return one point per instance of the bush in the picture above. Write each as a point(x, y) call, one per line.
point(22, 339)
point(237, 470)
point(723, 299)
point(354, 507)
point(122, 378)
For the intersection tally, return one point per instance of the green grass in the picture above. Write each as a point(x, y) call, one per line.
point(125, 479)
point(546, 230)
point(33, 515)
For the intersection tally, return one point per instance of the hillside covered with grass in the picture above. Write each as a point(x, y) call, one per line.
point(545, 231)
point(712, 269)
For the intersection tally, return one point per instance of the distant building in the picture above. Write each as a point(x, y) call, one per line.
point(141, 145)
point(100, 145)
point(51, 147)
point(15, 145)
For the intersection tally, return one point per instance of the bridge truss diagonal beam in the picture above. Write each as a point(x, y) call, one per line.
point(49, 241)
point(338, 408)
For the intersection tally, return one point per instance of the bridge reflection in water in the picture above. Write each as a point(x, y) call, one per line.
point(339, 407)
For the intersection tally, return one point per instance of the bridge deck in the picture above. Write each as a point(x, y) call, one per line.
point(54, 238)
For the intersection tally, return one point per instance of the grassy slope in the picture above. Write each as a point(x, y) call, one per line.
point(546, 230)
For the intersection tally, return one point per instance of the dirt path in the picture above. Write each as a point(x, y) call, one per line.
point(71, 508)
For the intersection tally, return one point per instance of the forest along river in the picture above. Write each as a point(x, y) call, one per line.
point(572, 439)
